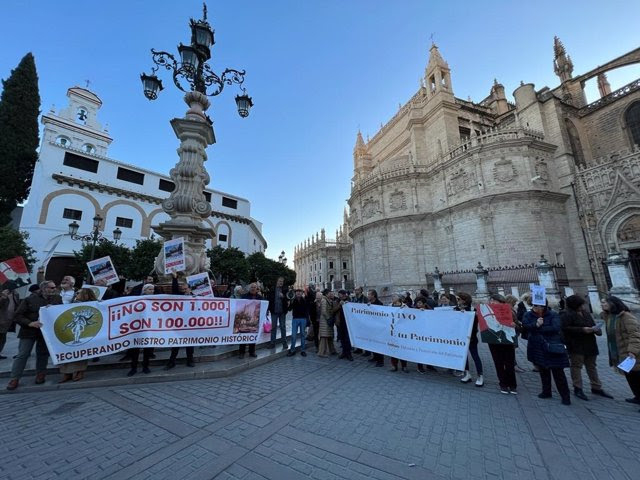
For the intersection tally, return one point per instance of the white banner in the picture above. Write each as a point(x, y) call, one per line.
point(79, 331)
point(431, 337)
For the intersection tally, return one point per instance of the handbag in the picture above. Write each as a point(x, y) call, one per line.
point(555, 348)
point(266, 326)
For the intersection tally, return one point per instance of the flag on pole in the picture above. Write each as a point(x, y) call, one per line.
point(16, 270)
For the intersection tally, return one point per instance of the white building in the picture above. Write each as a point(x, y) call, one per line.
point(74, 180)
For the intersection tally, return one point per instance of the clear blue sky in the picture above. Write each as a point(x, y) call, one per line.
point(317, 71)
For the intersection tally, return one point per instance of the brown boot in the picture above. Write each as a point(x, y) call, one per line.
point(40, 378)
point(78, 376)
point(65, 378)
point(13, 384)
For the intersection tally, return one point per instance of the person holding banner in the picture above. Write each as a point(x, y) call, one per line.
point(341, 324)
point(422, 303)
point(175, 290)
point(546, 348)
point(372, 296)
point(464, 304)
point(396, 301)
point(27, 316)
point(67, 289)
point(499, 331)
point(9, 301)
point(252, 294)
point(278, 306)
point(147, 353)
point(75, 370)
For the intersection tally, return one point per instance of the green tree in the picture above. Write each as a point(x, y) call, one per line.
point(19, 110)
point(120, 256)
point(229, 263)
point(13, 243)
point(143, 257)
point(267, 271)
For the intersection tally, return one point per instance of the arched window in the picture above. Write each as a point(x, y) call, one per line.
point(64, 141)
point(632, 119)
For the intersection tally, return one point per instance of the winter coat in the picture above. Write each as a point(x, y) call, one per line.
point(299, 308)
point(6, 317)
point(326, 312)
point(577, 341)
point(29, 310)
point(627, 338)
point(549, 332)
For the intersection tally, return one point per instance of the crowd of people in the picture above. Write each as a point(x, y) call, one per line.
point(556, 340)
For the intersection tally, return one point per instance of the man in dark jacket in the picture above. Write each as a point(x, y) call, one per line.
point(251, 295)
point(27, 316)
point(9, 301)
point(360, 297)
point(278, 306)
point(300, 313)
point(372, 296)
point(341, 324)
point(313, 314)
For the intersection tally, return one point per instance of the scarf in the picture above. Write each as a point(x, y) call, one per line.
point(612, 344)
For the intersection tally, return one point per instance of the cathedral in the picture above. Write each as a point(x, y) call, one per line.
point(449, 185)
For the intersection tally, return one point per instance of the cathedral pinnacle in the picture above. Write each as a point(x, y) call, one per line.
point(360, 147)
point(562, 64)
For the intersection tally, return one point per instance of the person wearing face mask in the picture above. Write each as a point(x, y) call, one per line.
point(27, 316)
point(546, 349)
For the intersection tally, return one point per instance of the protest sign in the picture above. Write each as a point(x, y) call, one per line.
point(538, 295)
point(174, 260)
point(439, 338)
point(92, 329)
point(200, 285)
point(102, 269)
point(96, 289)
point(495, 323)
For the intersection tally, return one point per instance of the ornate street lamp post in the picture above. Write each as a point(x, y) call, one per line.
point(282, 258)
point(95, 237)
point(187, 205)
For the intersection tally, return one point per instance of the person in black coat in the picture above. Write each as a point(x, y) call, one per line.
point(175, 290)
point(300, 315)
point(580, 338)
point(546, 349)
point(313, 314)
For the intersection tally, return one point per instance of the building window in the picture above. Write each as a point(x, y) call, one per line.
point(72, 214)
point(330, 264)
point(124, 222)
point(254, 241)
point(465, 133)
point(331, 278)
point(346, 278)
point(80, 162)
point(130, 176)
point(63, 141)
point(222, 237)
point(344, 265)
point(207, 196)
point(88, 148)
point(166, 185)
point(632, 119)
point(229, 202)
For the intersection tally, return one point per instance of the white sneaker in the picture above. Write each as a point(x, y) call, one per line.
point(467, 377)
point(480, 381)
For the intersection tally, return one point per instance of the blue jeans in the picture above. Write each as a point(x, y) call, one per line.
point(280, 318)
point(298, 323)
point(473, 351)
point(24, 351)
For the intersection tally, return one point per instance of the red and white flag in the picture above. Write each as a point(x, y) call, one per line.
point(16, 270)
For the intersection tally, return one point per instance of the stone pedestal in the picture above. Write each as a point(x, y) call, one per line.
point(621, 281)
point(547, 278)
point(187, 205)
point(482, 290)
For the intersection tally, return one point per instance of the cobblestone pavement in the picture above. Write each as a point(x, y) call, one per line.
point(322, 419)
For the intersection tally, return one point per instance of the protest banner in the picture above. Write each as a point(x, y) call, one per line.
point(96, 289)
point(15, 270)
point(103, 269)
point(439, 338)
point(174, 260)
point(495, 323)
point(200, 285)
point(85, 330)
